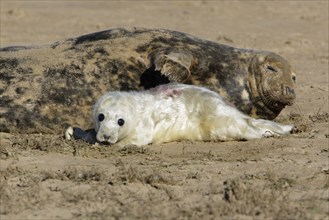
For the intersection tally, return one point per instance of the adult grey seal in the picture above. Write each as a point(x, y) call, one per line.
point(45, 87)
point(172, 112)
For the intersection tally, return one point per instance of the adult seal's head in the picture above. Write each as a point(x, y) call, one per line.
point(272, 83)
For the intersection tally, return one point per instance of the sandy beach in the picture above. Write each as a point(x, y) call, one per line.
point(43, 176)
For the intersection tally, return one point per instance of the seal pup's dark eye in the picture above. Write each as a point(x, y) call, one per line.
point(121, 122)
point(101, 117)
point(271, 68)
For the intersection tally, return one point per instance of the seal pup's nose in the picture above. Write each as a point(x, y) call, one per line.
point(106, 137)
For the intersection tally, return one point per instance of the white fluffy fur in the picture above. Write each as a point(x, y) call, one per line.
point(175, 112)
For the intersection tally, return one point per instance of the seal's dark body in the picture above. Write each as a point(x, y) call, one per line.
point(43, 88)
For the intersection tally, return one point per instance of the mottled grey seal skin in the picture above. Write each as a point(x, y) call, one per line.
point(46, 87)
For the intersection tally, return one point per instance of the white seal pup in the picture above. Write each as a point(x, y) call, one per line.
point(174, 112)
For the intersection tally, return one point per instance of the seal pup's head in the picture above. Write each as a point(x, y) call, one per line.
point(113, 117)
point(272, 81)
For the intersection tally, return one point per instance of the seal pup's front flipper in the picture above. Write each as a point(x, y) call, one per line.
point(173, 63)
point(88, 136)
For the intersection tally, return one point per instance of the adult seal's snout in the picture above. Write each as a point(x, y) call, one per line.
point(289, 92)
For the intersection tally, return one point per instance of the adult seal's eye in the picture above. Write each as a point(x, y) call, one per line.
point(271, 68)
point(121, 122)
point(101, 117)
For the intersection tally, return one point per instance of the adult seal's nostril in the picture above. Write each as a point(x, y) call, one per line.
point(290, 91)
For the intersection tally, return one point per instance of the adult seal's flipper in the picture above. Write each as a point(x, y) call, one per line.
point(174, 63)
